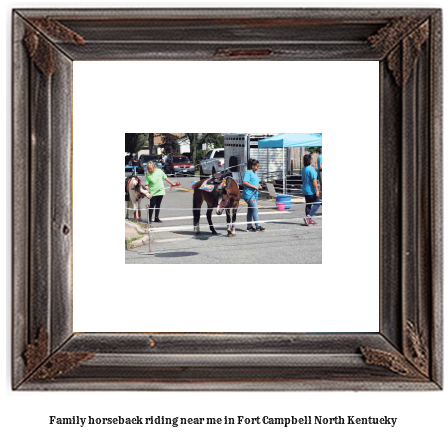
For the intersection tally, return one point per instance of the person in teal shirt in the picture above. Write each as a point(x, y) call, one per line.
point(310, 190)
point(319, 169)
point(154, 183)
point(251, 183)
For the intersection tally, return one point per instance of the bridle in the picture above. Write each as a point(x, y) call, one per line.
point(225, 205)
point(139, 183)
point(129, 183)
point(228, 199)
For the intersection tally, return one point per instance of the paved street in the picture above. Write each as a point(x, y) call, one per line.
point(286, 239)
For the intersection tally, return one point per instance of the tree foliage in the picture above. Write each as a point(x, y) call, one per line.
point(135, 142)
point(313, 150)
point(131, 142)
point(169, 144)
point(212, 140)
point(151, 142)
point(194, 141)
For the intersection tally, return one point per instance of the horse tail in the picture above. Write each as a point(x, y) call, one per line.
point(196, 213)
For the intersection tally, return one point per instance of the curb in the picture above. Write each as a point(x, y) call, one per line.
point(137, 243)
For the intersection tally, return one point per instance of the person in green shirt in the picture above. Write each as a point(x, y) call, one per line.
point(154, 183)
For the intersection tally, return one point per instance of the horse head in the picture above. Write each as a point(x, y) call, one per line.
point(136, 184)
point(230, 197)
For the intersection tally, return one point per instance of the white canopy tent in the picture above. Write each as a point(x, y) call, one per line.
point(289, 141)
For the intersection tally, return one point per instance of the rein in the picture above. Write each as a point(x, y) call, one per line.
point(228, 199)
point(239, 208)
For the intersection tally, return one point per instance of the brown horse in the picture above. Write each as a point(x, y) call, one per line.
point(227, 199)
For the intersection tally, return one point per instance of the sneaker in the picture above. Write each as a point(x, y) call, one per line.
point(306, 220)
point(313, 223)
point(157, 220)
point(251, 228)
point(259, 228)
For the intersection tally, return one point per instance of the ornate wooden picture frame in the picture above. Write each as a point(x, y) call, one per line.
point(406, 353)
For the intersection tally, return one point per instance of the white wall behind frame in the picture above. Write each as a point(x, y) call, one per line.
point(339, 99)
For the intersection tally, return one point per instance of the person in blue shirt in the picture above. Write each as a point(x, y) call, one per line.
point(319, 169)
point(310, 190)
point(251, 184)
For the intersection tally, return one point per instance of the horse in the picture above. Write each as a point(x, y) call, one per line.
point(228, 199)
point(134, 192)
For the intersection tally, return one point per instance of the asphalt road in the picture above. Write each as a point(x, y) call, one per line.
point(286, 239)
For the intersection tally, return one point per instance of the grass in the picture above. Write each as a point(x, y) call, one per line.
point(128, 242)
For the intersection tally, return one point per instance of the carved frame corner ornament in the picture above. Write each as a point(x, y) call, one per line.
point(402, 56)
point(41, 366)
point(40, 49)
point(405, 354)
point(412, 364)
point(395, 362)
point(417, 350)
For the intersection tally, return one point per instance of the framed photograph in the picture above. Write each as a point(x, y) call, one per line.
point(405, 353)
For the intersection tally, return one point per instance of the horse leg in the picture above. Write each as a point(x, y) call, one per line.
point(229, 228)
point(196, 210)
point(134, 206)
point(209, 219)
point(234, 222)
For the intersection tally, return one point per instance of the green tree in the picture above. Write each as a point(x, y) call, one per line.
point(151, 142)
point(313, 150)
point(131, 141)
point(214, 140)
point(170, 144)
point(134, 142)
point(211, 139)
point(142, 141)
point(193, 137)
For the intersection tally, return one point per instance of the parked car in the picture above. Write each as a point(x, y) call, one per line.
point(135, 167)
point(157, 159)
point(213, 162)
point(178, 164)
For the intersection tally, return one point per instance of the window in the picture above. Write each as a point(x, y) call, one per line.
point(180, 160)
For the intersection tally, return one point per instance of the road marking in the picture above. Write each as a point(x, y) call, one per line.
point(203, 236)
point(204, 216)
point(170, 240)
point(183, 189)
point(218, 225)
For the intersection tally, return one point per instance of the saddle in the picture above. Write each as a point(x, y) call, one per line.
point(215, 183)
point(216, 178)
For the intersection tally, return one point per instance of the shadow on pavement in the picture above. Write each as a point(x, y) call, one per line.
point(205, 235)
point(176, 254)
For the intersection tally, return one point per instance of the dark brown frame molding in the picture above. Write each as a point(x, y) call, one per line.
point(406, 354)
